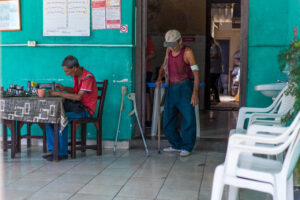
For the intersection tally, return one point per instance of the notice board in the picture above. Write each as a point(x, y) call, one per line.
point(106, 14)
point(66, 17)
point(10, 15)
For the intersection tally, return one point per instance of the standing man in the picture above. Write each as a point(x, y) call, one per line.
point(84, 92)
point(215, 68)
point(179, 68)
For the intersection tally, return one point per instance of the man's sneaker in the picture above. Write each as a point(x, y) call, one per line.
point(171, 150)
point(184, 153)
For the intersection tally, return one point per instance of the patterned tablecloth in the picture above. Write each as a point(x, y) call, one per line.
point(34, 109)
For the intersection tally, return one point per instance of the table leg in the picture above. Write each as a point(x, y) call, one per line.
point(55, 150)
point(19, 126)
point(13, 139)
point(5, 142)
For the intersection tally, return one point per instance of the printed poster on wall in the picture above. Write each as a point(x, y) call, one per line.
point(66, 17)
point(10, 15)
point(106, 14)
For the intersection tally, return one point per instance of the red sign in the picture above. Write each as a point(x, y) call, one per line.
point(188, 39)
point(124, 29)
point(96, 4)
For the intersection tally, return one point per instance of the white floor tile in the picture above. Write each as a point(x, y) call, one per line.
point(109, 190)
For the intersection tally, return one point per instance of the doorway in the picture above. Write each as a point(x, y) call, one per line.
point(225, 28)
point(181, 23)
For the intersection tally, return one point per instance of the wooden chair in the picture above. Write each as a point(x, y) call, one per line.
point(97, 121)
point(12, 144)
point(29, 136)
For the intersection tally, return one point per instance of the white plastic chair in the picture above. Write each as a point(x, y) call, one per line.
point(270, 115)
point(243, 168)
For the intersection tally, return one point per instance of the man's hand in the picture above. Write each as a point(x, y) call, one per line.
point(195, 99)
point(54, 93)
point(59, 87)
point(158, 83)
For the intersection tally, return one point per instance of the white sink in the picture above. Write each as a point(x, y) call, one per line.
point(270, 90)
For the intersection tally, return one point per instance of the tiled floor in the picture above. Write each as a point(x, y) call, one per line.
point(128, 175)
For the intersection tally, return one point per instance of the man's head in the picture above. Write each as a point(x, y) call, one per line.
point(173, 40)
point(70, 66)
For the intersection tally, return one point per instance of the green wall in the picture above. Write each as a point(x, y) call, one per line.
point(269, 32)
point(43, 64)
point(293, 17)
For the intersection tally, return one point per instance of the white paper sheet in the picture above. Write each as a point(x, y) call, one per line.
point(113, 17)
point(66, 17)
point(98, 18)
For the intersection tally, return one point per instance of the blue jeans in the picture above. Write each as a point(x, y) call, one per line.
point(63, 137)
point(178, 100)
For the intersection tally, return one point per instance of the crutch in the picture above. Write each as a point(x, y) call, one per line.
point(124, 91)
point(158, 120)
point(131, 97)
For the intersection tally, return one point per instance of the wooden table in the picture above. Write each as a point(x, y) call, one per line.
point(33, 110)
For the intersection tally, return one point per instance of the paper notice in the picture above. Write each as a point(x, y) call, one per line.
point(55, 14)
point(110, 3)
point(79, 17)
point(66, 17)
point(9, 15)
point(113, 17)
point(98, 18)
point(4, 14)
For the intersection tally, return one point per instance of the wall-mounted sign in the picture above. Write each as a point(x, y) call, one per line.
point(66, 17)
point(124, 29)
point(106, 14)
point(10, 19)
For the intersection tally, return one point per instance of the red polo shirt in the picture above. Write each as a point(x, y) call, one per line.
point(87, 83)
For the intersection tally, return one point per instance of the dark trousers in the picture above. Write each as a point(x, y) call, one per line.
point(178, 99)
point(214, 80)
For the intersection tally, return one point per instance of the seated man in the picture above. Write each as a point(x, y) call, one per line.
point(85, 92)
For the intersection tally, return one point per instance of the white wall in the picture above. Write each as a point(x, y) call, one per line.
point(233, 35)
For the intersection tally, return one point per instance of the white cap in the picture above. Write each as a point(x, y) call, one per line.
point(171, 38)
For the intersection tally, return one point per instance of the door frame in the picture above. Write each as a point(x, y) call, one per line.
point(140, 52)
point(243, 47)
point(140, 61)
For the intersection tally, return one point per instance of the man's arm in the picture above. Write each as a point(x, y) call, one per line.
point(63, 88)
point(190, 59)
point(72, 96)
point(69, 89)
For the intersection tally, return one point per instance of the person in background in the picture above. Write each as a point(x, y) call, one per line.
point(150, 54)
point(84, 91)
point(179, 67)
point(215, 68)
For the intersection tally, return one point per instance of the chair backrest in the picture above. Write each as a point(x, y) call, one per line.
point(276, 102)
point(293, 151)
point(283, 103)
point(102, 87)
point(286, 104)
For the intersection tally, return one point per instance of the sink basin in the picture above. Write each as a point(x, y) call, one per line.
point(270, 90)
